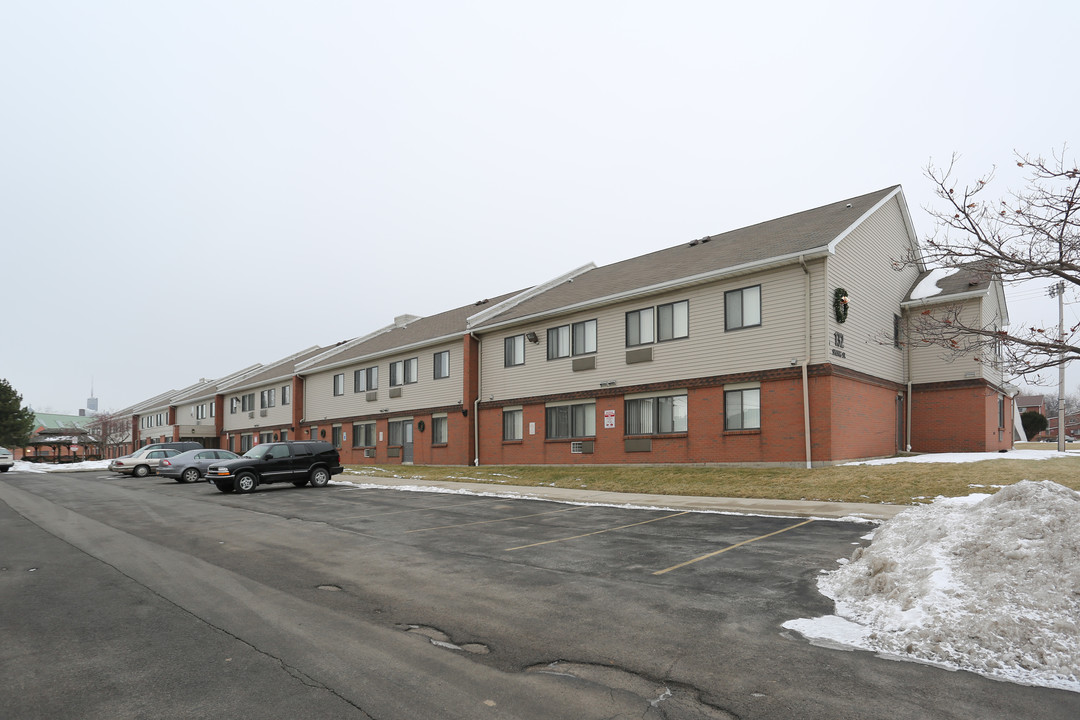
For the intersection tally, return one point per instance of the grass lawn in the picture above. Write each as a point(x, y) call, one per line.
point(902, 483)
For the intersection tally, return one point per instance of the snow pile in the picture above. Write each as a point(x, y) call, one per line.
point(987, 583)
point(968, 457)
point(23, 466)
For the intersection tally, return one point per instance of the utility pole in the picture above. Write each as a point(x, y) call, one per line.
point(1059, 290)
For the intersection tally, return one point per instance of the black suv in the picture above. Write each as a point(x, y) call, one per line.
point(298, 462)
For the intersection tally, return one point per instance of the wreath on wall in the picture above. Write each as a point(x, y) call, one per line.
point(840, 304)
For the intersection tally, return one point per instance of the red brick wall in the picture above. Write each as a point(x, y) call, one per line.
point(780, 438)
point(863, 419)
point(962, 418)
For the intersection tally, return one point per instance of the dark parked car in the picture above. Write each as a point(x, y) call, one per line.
point(181, 446)
point(190, 466)
point(298, 462)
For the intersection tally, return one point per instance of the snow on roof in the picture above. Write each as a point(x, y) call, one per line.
point(985, 583)
point(928, 286)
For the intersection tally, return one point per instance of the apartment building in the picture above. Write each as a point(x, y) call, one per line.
point(786, 342)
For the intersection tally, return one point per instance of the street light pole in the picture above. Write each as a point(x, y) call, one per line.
point(1061, 366)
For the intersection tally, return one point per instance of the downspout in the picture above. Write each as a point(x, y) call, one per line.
point(910, 398)
point(476, 402)
point(806, 360)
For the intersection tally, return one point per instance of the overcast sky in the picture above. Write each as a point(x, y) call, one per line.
point(188, 188)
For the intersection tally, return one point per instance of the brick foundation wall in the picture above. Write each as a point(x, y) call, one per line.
point(959, 418)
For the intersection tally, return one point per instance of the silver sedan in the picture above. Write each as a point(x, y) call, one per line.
point(190, 466)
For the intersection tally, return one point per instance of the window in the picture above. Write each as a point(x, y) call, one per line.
point(234, 404)
point(200, 412)
point(363, 435)
point(403, 372)
point(568, 421)
point(514, 351)
point(286, 394)
point(742, 308)
point(266, 437)
point(397, 433)
point(576, 339)
point(673, 321)
point(558, 342)
point(267, 398)
point(896, 330)
point(284, 435)
point(313, 432)
point(339, 384)
point(656, 415)
point(512, 424)
point(442, 364)
point(366, 379)
point(438, 430)
point(1001, 411)
point(213, 408)
point(639, 327)
point(231, 444)
point(742, 409)
point(247, 402)
point(335, 435)
point(245, 443)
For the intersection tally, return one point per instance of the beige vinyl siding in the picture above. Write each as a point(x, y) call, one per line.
point(992, 370)
point(708, 350)
point(864, 266)
point(320, 403)
point(186, 415)
point(930, 363)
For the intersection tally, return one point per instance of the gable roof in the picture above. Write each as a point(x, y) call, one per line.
point(283, 368)
point(407, 332)
point(755, 247)
point(45, 422)
point(949, 285)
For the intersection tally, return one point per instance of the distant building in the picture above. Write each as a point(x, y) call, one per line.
point(59, 438)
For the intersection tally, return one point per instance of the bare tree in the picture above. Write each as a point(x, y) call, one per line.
point(1033, 233)
point(110, 430)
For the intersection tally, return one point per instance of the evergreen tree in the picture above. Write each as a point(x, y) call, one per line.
point(1034, 423)
point(16, 421)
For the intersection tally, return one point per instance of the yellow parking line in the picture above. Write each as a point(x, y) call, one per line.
point(483, 522)
point(730, 547)
point(575, 537)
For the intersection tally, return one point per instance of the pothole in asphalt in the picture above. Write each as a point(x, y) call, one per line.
point(440, 639)
point(671, 699)
point(331, 588)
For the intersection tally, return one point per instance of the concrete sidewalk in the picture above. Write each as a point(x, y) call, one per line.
point(748, 506)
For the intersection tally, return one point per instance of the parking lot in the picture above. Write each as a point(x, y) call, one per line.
point(672, 612)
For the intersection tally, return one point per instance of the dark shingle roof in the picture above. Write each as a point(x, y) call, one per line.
point(951, 282)
point(408, 332)
point(774, 239)
point(285, 367)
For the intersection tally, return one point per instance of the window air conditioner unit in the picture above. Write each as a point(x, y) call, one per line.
point(262, 413)
point(575, 447)
point(369, 452)
point(251, 414)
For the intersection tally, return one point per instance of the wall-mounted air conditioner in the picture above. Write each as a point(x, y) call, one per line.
point(369, 452)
